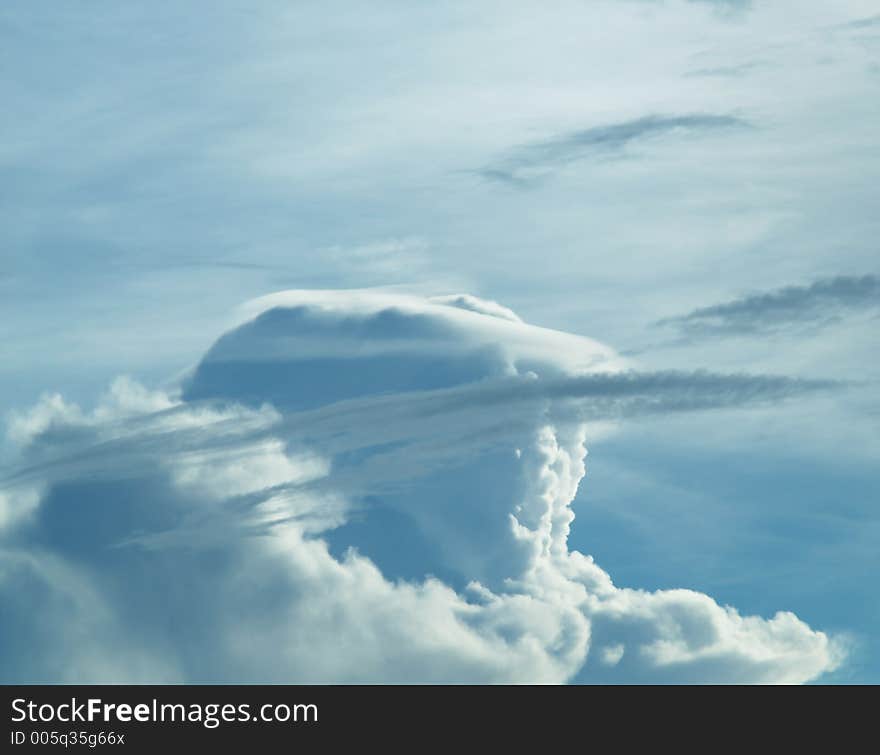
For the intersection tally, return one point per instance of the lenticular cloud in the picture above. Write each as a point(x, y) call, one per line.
point(350, 487)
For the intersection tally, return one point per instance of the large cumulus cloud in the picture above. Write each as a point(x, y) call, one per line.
point(354, 486)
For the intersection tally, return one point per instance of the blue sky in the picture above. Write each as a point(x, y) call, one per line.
point(692, 184)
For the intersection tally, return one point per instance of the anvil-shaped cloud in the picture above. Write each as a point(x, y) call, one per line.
point(357, 487)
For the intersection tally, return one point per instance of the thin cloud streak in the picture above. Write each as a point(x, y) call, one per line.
point(863, 23)
point(524, 164)
point(395, 418)
point(824, 301)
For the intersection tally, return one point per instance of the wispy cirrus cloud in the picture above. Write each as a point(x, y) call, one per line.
point(526, 163)
point(818, 304)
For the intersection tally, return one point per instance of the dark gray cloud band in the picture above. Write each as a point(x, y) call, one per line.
point(825, 301)
point(524, 164)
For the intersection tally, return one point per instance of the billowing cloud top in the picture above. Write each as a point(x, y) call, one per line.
point(356, 487)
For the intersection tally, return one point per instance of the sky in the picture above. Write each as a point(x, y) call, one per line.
point(319, 322)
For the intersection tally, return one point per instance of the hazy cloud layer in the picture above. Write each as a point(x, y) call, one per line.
point(529, 162)
point(821, 303)
point(411, 525)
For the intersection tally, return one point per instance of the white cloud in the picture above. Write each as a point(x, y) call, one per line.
point(124, 398)
point(23, 427)
point(17, 503)
point(210, 532)
point(244, 469)
point(681, 635)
